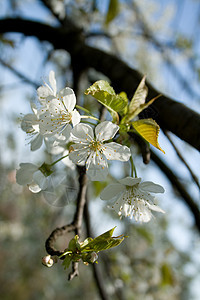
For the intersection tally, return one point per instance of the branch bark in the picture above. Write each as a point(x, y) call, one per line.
point(179, 187)
point(173, 116)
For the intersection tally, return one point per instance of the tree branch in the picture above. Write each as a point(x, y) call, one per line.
point(179, 187)
point(173, 116)
point(74, 226)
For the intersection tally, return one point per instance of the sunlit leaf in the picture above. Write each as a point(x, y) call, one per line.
point(137, 104)
point(105, 94)
point(113, 11)
point(149, 130)
point(139, 97)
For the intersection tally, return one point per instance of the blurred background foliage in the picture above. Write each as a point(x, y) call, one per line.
point(159, 260)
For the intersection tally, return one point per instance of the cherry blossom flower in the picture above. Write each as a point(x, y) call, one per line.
point(133, 198)
point(31, 175)
point(58, 109)
point(92, 150)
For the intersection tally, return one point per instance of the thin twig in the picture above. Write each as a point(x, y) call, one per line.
point(19, 74)
point(74, 226)
point(182, 159)
point(95, 268)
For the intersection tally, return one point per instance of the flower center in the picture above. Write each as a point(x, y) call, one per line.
point(95, 146)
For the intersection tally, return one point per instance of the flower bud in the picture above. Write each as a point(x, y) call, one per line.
point(93, 257)
point(47, 261)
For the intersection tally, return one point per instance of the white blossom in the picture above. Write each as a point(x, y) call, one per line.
point(58, 109)
point(30, 174)
point(133, 198)
point(92, 150)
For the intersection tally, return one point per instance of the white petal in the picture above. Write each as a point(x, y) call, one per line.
point(112, 190)
point(52, 81)
point(114, 151)
point(27, 123)
point(50, 125)
point(129, 181)
point(56, 107)
point(44, 91)
point(76, 118)
point(155, 208)
point(25, 174)
point(106, 130)
point(144, 216)
point(69, 98)
point(141, 212)
point(79, 153)
point(66, 132)
point(67, 161)
point(40, 179)
point(83, 133)
point(151, 187)
point(34, 188)
point(96, 167)
point(36, 142)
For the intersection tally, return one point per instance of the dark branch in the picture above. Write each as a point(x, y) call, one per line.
point(173, 116)
point(179, 187)
point(183, 160)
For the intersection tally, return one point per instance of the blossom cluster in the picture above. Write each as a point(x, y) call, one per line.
point(58, 124)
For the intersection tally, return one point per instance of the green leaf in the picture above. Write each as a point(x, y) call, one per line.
point(67, 261)
point(103, 242)
point(137, 103)
point(105, 94)
point(149, 130)
point(139, 97)
point(74, 244)
point(113, 11)
point(125, 110)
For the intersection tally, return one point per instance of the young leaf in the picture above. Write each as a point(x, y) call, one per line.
point(102, 242)
point(139, 97)
point(67, 261)
point(105, 94)
point(149, 130)
point(131, 116)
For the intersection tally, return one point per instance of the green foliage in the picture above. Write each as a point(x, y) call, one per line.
point(149, 130)
point(137, 104)
point(105, 94)
point(113, 11)
point(103, 242)
point(90, 247)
